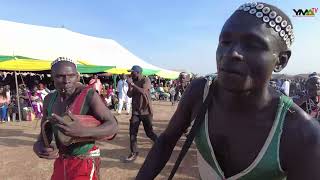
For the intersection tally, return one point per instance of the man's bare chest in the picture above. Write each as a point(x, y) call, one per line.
point(60, 108)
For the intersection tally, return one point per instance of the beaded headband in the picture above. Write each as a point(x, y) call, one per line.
point(269, 16)
point(64, 59)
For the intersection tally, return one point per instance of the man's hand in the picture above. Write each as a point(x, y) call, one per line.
point(129, 81)
point(44, 152)
point(74, 129)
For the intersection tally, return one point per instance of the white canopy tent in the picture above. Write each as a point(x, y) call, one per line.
point(27, 47)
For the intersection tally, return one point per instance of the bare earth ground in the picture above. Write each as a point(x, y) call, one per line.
point(18, 162)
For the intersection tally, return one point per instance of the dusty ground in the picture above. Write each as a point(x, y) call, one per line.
point(18, 162)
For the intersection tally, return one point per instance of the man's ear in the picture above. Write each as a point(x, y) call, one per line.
point(282, 60)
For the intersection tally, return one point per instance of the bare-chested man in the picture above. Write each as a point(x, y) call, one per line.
point(250, 130)
point(78, 160)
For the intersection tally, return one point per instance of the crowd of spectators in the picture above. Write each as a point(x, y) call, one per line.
point(33, 88)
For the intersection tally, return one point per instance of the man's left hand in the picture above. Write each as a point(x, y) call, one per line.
point(73, 129)
point(129, 81)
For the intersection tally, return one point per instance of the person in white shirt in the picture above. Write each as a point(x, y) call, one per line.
point(286, 87)
point(122, 89)
point(43, 91)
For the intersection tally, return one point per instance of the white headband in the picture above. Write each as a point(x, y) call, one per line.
point(269, 16)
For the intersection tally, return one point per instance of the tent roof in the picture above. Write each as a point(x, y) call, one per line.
point(47, 43)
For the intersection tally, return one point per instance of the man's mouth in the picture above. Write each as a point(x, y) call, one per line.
point(232, 71)
point(66, 89)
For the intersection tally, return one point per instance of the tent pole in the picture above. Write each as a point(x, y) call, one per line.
point(18, 96)
point(114, 77)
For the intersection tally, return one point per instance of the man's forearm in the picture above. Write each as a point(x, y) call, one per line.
point(156, 159)
point(108, 128)
point(48, 136)
point(139, 89)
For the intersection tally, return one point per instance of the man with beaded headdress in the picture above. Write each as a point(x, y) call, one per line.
point(310, 101)
point(243, 128)
point(79, 159)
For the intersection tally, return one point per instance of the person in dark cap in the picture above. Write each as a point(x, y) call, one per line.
point(313, 74)
point(139, 90)
point(243, 128)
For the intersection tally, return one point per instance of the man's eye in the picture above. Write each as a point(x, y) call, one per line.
point(251, 45)
point(225, 42)
point(254, 45)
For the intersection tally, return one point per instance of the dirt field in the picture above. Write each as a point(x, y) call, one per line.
point(18, 162)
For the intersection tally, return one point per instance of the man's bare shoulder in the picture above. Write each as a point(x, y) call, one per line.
point(297, 118)
point(196, 86)
point(49, 97)
point(300, 141)
point(301, 129)
point(189, 105)
point(193, 95)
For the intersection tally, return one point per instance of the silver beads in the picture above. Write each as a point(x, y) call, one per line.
point(266, 19)
point(278, 28)
point(272, 23)
point(278, 19)
point(259, 6)
point(266, 10)
point(259, 14)
point(271, 17)
point(273, 14)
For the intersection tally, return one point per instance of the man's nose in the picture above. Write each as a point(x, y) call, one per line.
point(65, 79)
point(235, 52)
